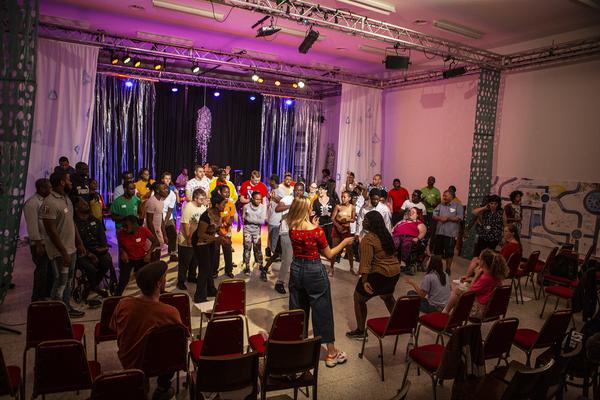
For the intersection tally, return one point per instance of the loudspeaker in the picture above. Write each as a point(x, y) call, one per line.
point(451, 73)
point(309, 40)
point(397, 62)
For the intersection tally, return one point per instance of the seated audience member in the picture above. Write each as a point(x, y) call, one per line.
point(492, 272)
point(397, 196)
point(415, 201)
point(379, 269)
point(135, 316)
point(63, 166)
point(81, 182)
point(190, 216)
point(126, 177)
point(97, 260)
point(96, 201)
point(227, 170)
point(133, 249)
point(408, 231)
point(125, 205)
point(512, 211)
point(512, 244)
point(434, 290)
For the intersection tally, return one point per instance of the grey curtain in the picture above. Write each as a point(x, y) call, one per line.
point(123, 130)
point(290, 137)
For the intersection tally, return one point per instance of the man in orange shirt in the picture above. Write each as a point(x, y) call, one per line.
point(227, 217)
point(135, 316)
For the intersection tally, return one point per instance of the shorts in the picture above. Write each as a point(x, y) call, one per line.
point(381, 284)
point(444, 246)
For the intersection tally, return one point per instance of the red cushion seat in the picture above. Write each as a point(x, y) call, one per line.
point(78, 331)
point(429, 356)
point(196, 349)
point(257, 342)
point(95, 369)
point(556, 278)
point(100, 336)
point(525, 338)
point(14, 378)
point(435, 320)
point(560, 291)
point(539, 266)
point(377, 325)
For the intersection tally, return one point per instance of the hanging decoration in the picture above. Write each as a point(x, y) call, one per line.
point(203, 131)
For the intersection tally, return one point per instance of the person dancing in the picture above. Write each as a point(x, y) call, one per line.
point(343, 215)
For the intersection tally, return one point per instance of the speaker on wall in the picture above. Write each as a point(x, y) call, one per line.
point(397, 62)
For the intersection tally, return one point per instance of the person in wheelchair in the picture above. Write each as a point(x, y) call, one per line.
point(408, 235)
point(97, 261)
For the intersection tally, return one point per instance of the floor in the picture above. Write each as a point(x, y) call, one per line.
point(358, 378)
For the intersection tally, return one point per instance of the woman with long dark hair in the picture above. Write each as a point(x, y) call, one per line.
point(323, 209)
point(434, 290)
point(379, 269)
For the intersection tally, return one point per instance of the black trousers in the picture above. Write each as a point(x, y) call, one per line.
point(227, 256)
point(42, 276)
point(171, 232)
point(125, 273)
point(397, 217)
point(187, 267)
point(205, 285)
point(95, 273)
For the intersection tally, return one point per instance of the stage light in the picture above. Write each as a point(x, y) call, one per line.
point(174, 89)
point(264, 31)
point(452, 72)
point(301, 84)
point(260, 80)
point(157, 66)
point(126, 59)
point(277, 83)
point(195, 68)
point(252, 98)
point(137, 63)
point(216, 94)
point(289, 102)
point(114, 60)
point(295, 85)
point(255, 78)
point(309, 40)
point(128, 83)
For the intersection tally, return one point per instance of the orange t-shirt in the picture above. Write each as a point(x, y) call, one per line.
point(132, 319)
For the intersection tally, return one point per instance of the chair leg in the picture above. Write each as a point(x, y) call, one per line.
point(521, 292)
point(533, 287)
point(396, 344)
point(434, 384)
point(95, 350)
point(544, 307)
point(419, 331)
point(405, 373)
point(362, 350)
point(513, 284)
point(24, 371)
point(528, 364)
point(295, 393)
point(381, 358)
point(315, 391)
point(177, 382)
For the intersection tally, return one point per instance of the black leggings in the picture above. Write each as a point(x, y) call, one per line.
point(125, 273)
point(205, 285)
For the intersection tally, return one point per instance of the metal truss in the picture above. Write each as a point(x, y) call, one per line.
point(419, 77)
point(345, 21)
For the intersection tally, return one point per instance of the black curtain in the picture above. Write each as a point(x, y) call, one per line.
point(236, 128)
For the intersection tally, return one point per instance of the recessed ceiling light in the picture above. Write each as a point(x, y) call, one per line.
point(420, 22)
point(341, 48)
point(137, 7)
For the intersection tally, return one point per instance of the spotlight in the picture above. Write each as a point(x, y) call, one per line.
point(301, 84)
point(295, 85)
point(195, 68)
point(252, 98)
point(174, 89)
point(157, 66)
point(255, 78)
point(267, 30)
point(289, 102)
point(128, 83)
point(114, 60)
point(126, 59)
point(451, 73)
point(216, 94)
point(137, 63)
point(277, 83)
point(309, 40)
point(260, 80)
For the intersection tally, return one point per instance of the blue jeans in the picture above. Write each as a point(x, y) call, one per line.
point(425, 307)
point(63, 278)
point(310, 290)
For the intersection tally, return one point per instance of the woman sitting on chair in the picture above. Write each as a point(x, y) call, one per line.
point(512, 244)
point(407, 232)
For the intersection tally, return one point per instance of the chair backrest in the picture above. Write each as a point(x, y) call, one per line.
point(589, 253)
point(554, 329)
point(404, 317)
point(498, 303)
point(60, 366)
point(164, 350)
point(108, 308)
point(550, 258)
point(525, 381)
point(500, 337)
point(513, 262)
point(181, 302)
point(224, 336)
point(290, 358)
point(47, 320)
point(461, 311)
point(5, 386)
point(223, 374)
point(127, 384)
point(531, 261)
point(288, 325)
point(455, 360)
point(231, 298)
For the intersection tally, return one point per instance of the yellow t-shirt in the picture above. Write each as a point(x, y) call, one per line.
point(143, 188)
point(233, 196)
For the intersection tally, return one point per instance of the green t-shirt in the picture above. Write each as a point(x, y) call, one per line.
point(430, 197)
point(124, 207)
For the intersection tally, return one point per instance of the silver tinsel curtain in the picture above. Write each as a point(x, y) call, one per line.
point(123, 130)
point(290, 137)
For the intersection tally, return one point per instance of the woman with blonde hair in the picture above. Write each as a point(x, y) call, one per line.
point(309, 285)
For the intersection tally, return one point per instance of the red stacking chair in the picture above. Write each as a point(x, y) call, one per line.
point(403, 320)
point(48, 320)
point(553, 331)
point(230, 300)
point(102, 331)
point(62, 366)
point(224, 374)
point(588, 254)
point(556, 279)
point(513, 263)
point(526, 270)
point(127, 384)
point(560, 292)
point(499, 339)
point(224, 336)
point(165, 351)
point(444, 324)
point(542, 266)
point(181, 302)
point(10, 380)
point(287, 326)
point(497, 305)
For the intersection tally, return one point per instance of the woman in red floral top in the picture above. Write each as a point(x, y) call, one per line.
point(309, 284)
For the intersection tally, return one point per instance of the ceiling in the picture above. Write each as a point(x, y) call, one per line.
point(503, 23)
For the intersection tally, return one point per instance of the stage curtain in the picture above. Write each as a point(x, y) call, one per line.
point(236, 128)
point(64, 103)
point(290, 137)
point(123, 130)
point(359, 145)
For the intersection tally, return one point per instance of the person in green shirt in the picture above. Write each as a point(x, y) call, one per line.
point(127, 204)
point(431, 197)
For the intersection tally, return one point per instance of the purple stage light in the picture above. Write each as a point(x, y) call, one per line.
point(289, 102)
point(216, 94)
point(252, 98)
point(128, 83)
point(174, 89)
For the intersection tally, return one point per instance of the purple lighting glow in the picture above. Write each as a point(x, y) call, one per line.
point(128, 83)
point(252, 98)
point(216, 94)
point(289, 102)
point(174, 89)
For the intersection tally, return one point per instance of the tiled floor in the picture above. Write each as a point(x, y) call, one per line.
point(357, 379)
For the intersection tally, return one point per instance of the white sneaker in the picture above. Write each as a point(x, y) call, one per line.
point(339, 358)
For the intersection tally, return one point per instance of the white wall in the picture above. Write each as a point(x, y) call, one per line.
point(428, 130)
point(549, 124)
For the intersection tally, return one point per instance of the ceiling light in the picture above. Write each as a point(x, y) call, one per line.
point(195, 68)
point(295, 85)
point(114, 60)
point(252, 98)
point(216, 94)
point(187, 9)
point(128, 83)
point(458, 29)
point(371, 5)
point(126, 59)
point(301, 84)
point(255, 78)
point(309, 40)
point(420, 22)
point(137, 63)
point(174, 89)
point(260, 80)
point(260, 21)
point(277, 83)
point(451, 73)
point(289, 102)
point(157, 66)
point(267, 30)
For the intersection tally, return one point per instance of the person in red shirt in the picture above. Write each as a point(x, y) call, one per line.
point(396, 197)
point(253, 185)
point(134, 252)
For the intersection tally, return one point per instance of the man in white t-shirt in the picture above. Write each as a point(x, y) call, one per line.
point(415, 201)
point(169, 205)
point(374, 203)
point(199, 181)
point(154, 211)
point(190, 216)
point(273, 219)
point(286, 244)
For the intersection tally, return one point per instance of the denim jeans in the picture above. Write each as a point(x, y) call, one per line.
point(42, 276)
point(63, 278)
point(286, 258)
point(425, 307)
point(310, 290)
point(273, 237)
point(187, 265)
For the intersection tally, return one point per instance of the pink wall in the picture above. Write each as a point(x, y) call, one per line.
point(329, 129)
point(428, 130)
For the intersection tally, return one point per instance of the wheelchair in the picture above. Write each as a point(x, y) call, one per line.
point(416, 259)
point(81, 287)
